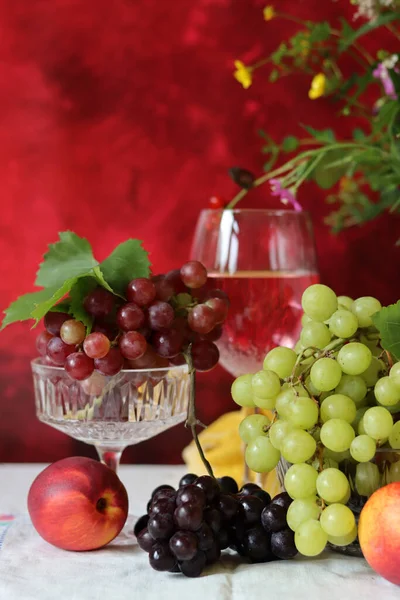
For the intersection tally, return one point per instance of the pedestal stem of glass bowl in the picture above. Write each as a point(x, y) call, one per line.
point(109, 456)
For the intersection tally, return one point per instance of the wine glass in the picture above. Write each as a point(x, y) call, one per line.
point(263, 260)
point(112, 413)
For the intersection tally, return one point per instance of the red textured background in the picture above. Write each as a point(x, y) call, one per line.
point(119, 119)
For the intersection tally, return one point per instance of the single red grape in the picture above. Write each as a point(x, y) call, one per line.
point(79, 366)
point(42, 341)
point(96, 345)
point(54, 320)
point(164, 288)
point(174, 278)
point(142, 291)
point(160, 315)
point(216, 202)
point(205, 355)
point(213, 335)
point(202, 319)
point(217, 293)
point(111, 364)
point(132, 345)
point(130, 317)
point(99, 303)
point(108, 329)
point(168, 343)
point(220, 308)
point(193, 274)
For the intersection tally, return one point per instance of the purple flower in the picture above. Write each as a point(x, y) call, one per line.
point(286, 196)
point(381, 72)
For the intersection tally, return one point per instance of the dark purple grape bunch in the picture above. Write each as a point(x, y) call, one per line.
point(161, 317)
point(186, 529)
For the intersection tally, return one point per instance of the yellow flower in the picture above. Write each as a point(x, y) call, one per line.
point(269, 13)
point(243, 74)
point(318, 86)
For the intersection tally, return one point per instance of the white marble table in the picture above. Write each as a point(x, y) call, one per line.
point(31, 569)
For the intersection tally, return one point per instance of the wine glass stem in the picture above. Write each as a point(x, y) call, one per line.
point(109, 456)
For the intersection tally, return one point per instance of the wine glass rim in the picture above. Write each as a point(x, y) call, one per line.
point(35, 363)
point(267, 211)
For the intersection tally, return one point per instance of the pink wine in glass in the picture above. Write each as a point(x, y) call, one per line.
point(265, 312)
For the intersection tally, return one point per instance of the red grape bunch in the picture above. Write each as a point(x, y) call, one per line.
point(186, 529)
point(160, 319)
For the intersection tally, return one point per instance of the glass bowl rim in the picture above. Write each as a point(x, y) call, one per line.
point(266, 211)
point(36, 364)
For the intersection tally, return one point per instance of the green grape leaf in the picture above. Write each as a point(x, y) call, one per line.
point(62, 306)
point(290, 143)
point(128, 261)
point(387, 321)
point(47, 304)
point(22, 308)
point(70, 257)
point(78, 293)
point(97, 273)
point(326, 136)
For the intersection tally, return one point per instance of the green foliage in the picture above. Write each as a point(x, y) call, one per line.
point(290, 143)
point(128, 261)
point(387, 321)
point(326, 136)
point(69, 268)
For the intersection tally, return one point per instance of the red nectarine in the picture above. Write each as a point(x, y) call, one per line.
point(379, 532)
point(78, 504)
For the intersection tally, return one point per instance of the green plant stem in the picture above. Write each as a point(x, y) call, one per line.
point(306, 173)
point(192, 421)
point(291, 164)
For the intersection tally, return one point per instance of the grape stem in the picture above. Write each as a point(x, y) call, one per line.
point(192, 421)
point(317, 355)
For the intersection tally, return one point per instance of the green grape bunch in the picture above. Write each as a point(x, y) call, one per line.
point(332, 402)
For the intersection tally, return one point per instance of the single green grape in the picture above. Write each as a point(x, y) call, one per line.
point(242, 391)
point(265, 403)
point(364, 308)
point(332, 485)
point(303, 412)
point(345, 498)
point(253, 426)
point(310, 539)
point(373, 372)
point(367, 479)
point(338, 406)
point(353, 386)
point(278, 432)
point(300, 481)
point(298, 446)
point(386, 391)
point(327, 463)
point(343, 540)
point(261, 456)
point(345, 302)
point(311, 388)
point(378, 422)
point(298, 389)
point(394, 472)
point(266, 384)
point(354, 358)
point(319, 302)
point(361, 428)
point(298, 347)
point(337, 520)
point(343, 323)
point(395, 373)
point(363, 448)
point(325, 374)
point(337, 435)
point(302, 510)
point(315, 334)
point(281, 360)
point(394, 437)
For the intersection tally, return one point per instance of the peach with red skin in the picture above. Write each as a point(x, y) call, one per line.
point(379, 532)
point(78, 504)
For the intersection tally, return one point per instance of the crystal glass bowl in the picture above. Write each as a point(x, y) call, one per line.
point(112, 413)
